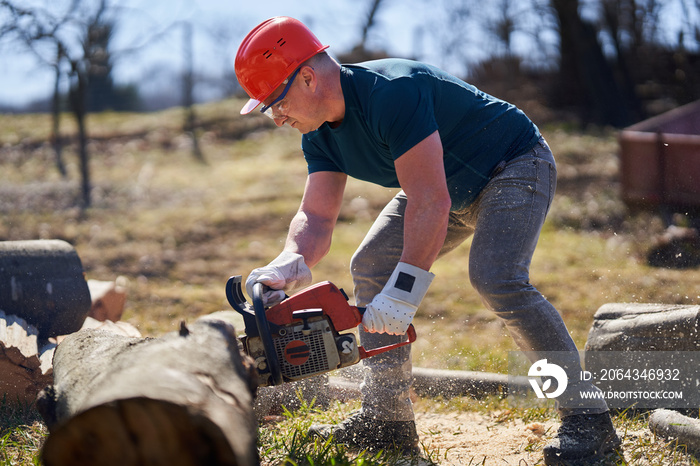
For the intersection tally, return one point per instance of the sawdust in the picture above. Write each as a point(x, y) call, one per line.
point(496, 438)
point(474, 438)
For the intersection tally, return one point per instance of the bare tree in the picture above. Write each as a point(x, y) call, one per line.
point(369, 21)
point(36, 27)
point(78, 34)
point(26, 28)
point(604, 52)
point(504, 24)
point(56, 140)
point(360, 52)
point(642, 49)
point(586, 80)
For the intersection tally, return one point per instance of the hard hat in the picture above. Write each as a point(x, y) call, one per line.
point(270, 53)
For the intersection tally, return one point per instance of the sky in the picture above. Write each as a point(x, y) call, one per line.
point(404, 28)
point(218, 28)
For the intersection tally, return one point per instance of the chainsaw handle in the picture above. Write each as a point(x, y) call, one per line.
point(411, 333)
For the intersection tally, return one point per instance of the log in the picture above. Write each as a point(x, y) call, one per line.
point(452, 383)
point(428, 382)
point(24, 367)
point(645, 327)
point(183, 399)
point(42, 282)
point(674, 425)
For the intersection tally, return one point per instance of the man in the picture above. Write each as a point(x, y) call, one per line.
point(468, 164)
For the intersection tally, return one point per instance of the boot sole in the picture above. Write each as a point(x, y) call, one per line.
point(610, 452)
point(325, 432)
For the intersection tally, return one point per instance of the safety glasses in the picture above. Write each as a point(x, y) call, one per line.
point(279, 107)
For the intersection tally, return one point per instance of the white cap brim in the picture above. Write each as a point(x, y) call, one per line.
point(250, 106)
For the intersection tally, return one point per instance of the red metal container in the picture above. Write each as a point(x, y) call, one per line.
point(660, 162)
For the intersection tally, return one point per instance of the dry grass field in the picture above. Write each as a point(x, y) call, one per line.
point(175, 229)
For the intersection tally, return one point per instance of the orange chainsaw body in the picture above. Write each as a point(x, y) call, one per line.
point(309, 333)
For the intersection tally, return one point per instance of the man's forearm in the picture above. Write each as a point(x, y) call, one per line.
point(309, 236)
point(425, 229)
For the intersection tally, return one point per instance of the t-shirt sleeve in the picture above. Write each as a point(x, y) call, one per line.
point(316, 160)
point(403, 114)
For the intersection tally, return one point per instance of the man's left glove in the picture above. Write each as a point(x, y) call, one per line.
point(392, 310)
point(287, 272)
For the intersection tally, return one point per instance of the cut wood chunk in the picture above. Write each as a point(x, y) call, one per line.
point(108, 299)
point(24, 370)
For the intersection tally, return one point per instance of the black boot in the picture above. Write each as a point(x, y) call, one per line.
point(361, 431)
point(583, 439)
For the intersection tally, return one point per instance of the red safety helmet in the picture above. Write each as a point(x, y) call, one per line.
point(270, 53)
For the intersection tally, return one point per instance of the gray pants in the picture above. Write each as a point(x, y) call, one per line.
point(505, 221)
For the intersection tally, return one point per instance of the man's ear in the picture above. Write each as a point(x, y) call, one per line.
point(309, 77)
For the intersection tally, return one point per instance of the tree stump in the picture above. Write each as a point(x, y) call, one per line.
point(645, 327)
point(42, 282)
point(183, 399)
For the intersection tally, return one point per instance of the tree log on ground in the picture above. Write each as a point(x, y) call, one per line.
point(183, 399)
point(672, 424)
point(645, 327)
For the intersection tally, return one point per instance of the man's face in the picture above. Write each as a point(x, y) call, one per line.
point(290, 103)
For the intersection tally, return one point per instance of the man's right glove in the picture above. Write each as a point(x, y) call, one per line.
point(287, 272)
point(392, 310)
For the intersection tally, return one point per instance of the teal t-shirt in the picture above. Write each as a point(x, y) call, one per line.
point(393, 104)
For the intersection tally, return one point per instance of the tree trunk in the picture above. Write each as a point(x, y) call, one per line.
point(188, 92)
point(586, 80)
point(42, 282)
point(56, 117)
point(78, 94)
point(184, 399)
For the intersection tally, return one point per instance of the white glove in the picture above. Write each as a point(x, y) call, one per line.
point(392, 310)
point(287, 272)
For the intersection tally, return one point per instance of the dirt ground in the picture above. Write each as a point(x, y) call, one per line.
point(474, 438)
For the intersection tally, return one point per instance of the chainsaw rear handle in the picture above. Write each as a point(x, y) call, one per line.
point(410, 333)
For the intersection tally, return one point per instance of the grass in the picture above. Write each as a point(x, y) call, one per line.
point(21, 434)
point(175, 229)
point(287, 442)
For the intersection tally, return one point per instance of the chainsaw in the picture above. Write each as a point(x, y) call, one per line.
point(307, 334)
